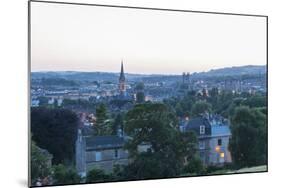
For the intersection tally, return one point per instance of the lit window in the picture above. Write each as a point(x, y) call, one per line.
point(202, 129)
point(218, 148)
point(222, 155)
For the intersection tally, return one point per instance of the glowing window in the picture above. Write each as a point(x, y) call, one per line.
point(218, 148)
point(222, 155)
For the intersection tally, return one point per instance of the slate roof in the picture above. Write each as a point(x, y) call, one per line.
point(104, 142)
point(217, 129)
point(194, 125)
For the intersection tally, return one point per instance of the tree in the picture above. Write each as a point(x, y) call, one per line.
point(103, 124)
point(200, 107)
point(98, 175)
point(140, 97)
point(248, 144)
point(224, 101)
point(195, 166)
point(190, 142)
point(64, 175)
point(156, 126)
point(56, 131)
point(40, 164)
point(117, 124)
point(214, 97)
point(179, 110)
point(255, 101)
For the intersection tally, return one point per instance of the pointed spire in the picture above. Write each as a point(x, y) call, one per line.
point(122, 68)
point(122, 75)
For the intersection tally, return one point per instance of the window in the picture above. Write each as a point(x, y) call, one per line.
point(98, 156)
point(202, 129)
point(116, 154)
point(219, 142)
point(221, 159)
point(201, 145)
point(217, 148)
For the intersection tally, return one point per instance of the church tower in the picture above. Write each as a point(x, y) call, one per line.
point(122, 87)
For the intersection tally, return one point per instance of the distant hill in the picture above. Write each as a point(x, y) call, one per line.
point(233, 71)
point(77, 76)
point(113, 77)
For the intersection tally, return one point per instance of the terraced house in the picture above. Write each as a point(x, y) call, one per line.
point(99, 152)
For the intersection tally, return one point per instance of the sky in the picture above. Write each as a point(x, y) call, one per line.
point(68, 37)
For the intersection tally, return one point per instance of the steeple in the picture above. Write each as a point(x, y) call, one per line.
point(122, 75)
point(122, 80)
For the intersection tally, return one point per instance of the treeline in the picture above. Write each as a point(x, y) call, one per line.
point(171, 153)
point(248, 119)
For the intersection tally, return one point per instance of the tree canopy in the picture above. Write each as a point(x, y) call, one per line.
point(248, 144)
point(200, 107)
point(56, 131)
point(64, 175)
point(155, 126)
point(40, 167)
point(103, 124)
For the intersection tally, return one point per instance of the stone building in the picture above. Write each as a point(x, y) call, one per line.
point(213, 135)
point(99, 152)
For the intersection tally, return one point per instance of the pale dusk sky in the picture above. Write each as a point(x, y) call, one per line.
point(92, 38)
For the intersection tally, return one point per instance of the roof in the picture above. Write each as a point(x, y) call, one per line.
point(198, 121)
point(212, 129)
point(195, 123)
point(104, 142)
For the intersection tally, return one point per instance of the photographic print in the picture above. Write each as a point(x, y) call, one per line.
point(129, 93)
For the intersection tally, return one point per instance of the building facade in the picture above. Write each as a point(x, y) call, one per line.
point(99, 152)
point(213, 135)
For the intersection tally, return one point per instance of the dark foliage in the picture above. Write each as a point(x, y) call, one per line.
point(248, 144)
point(56, 131)
point(98, 175)
point(63, 175)
point(156, 126)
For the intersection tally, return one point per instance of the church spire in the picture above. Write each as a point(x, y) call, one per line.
point(122, 75)
point(122, 86)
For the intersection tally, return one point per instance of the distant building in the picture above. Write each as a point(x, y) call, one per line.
point(99, 152)
point(124, 99)
point(186, 78)
point(213, 134)
point(122, 81)
point(186, 82)
point(35, 102)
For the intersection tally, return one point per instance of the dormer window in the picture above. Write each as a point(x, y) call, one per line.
point(116, 154)
point(202, 129)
